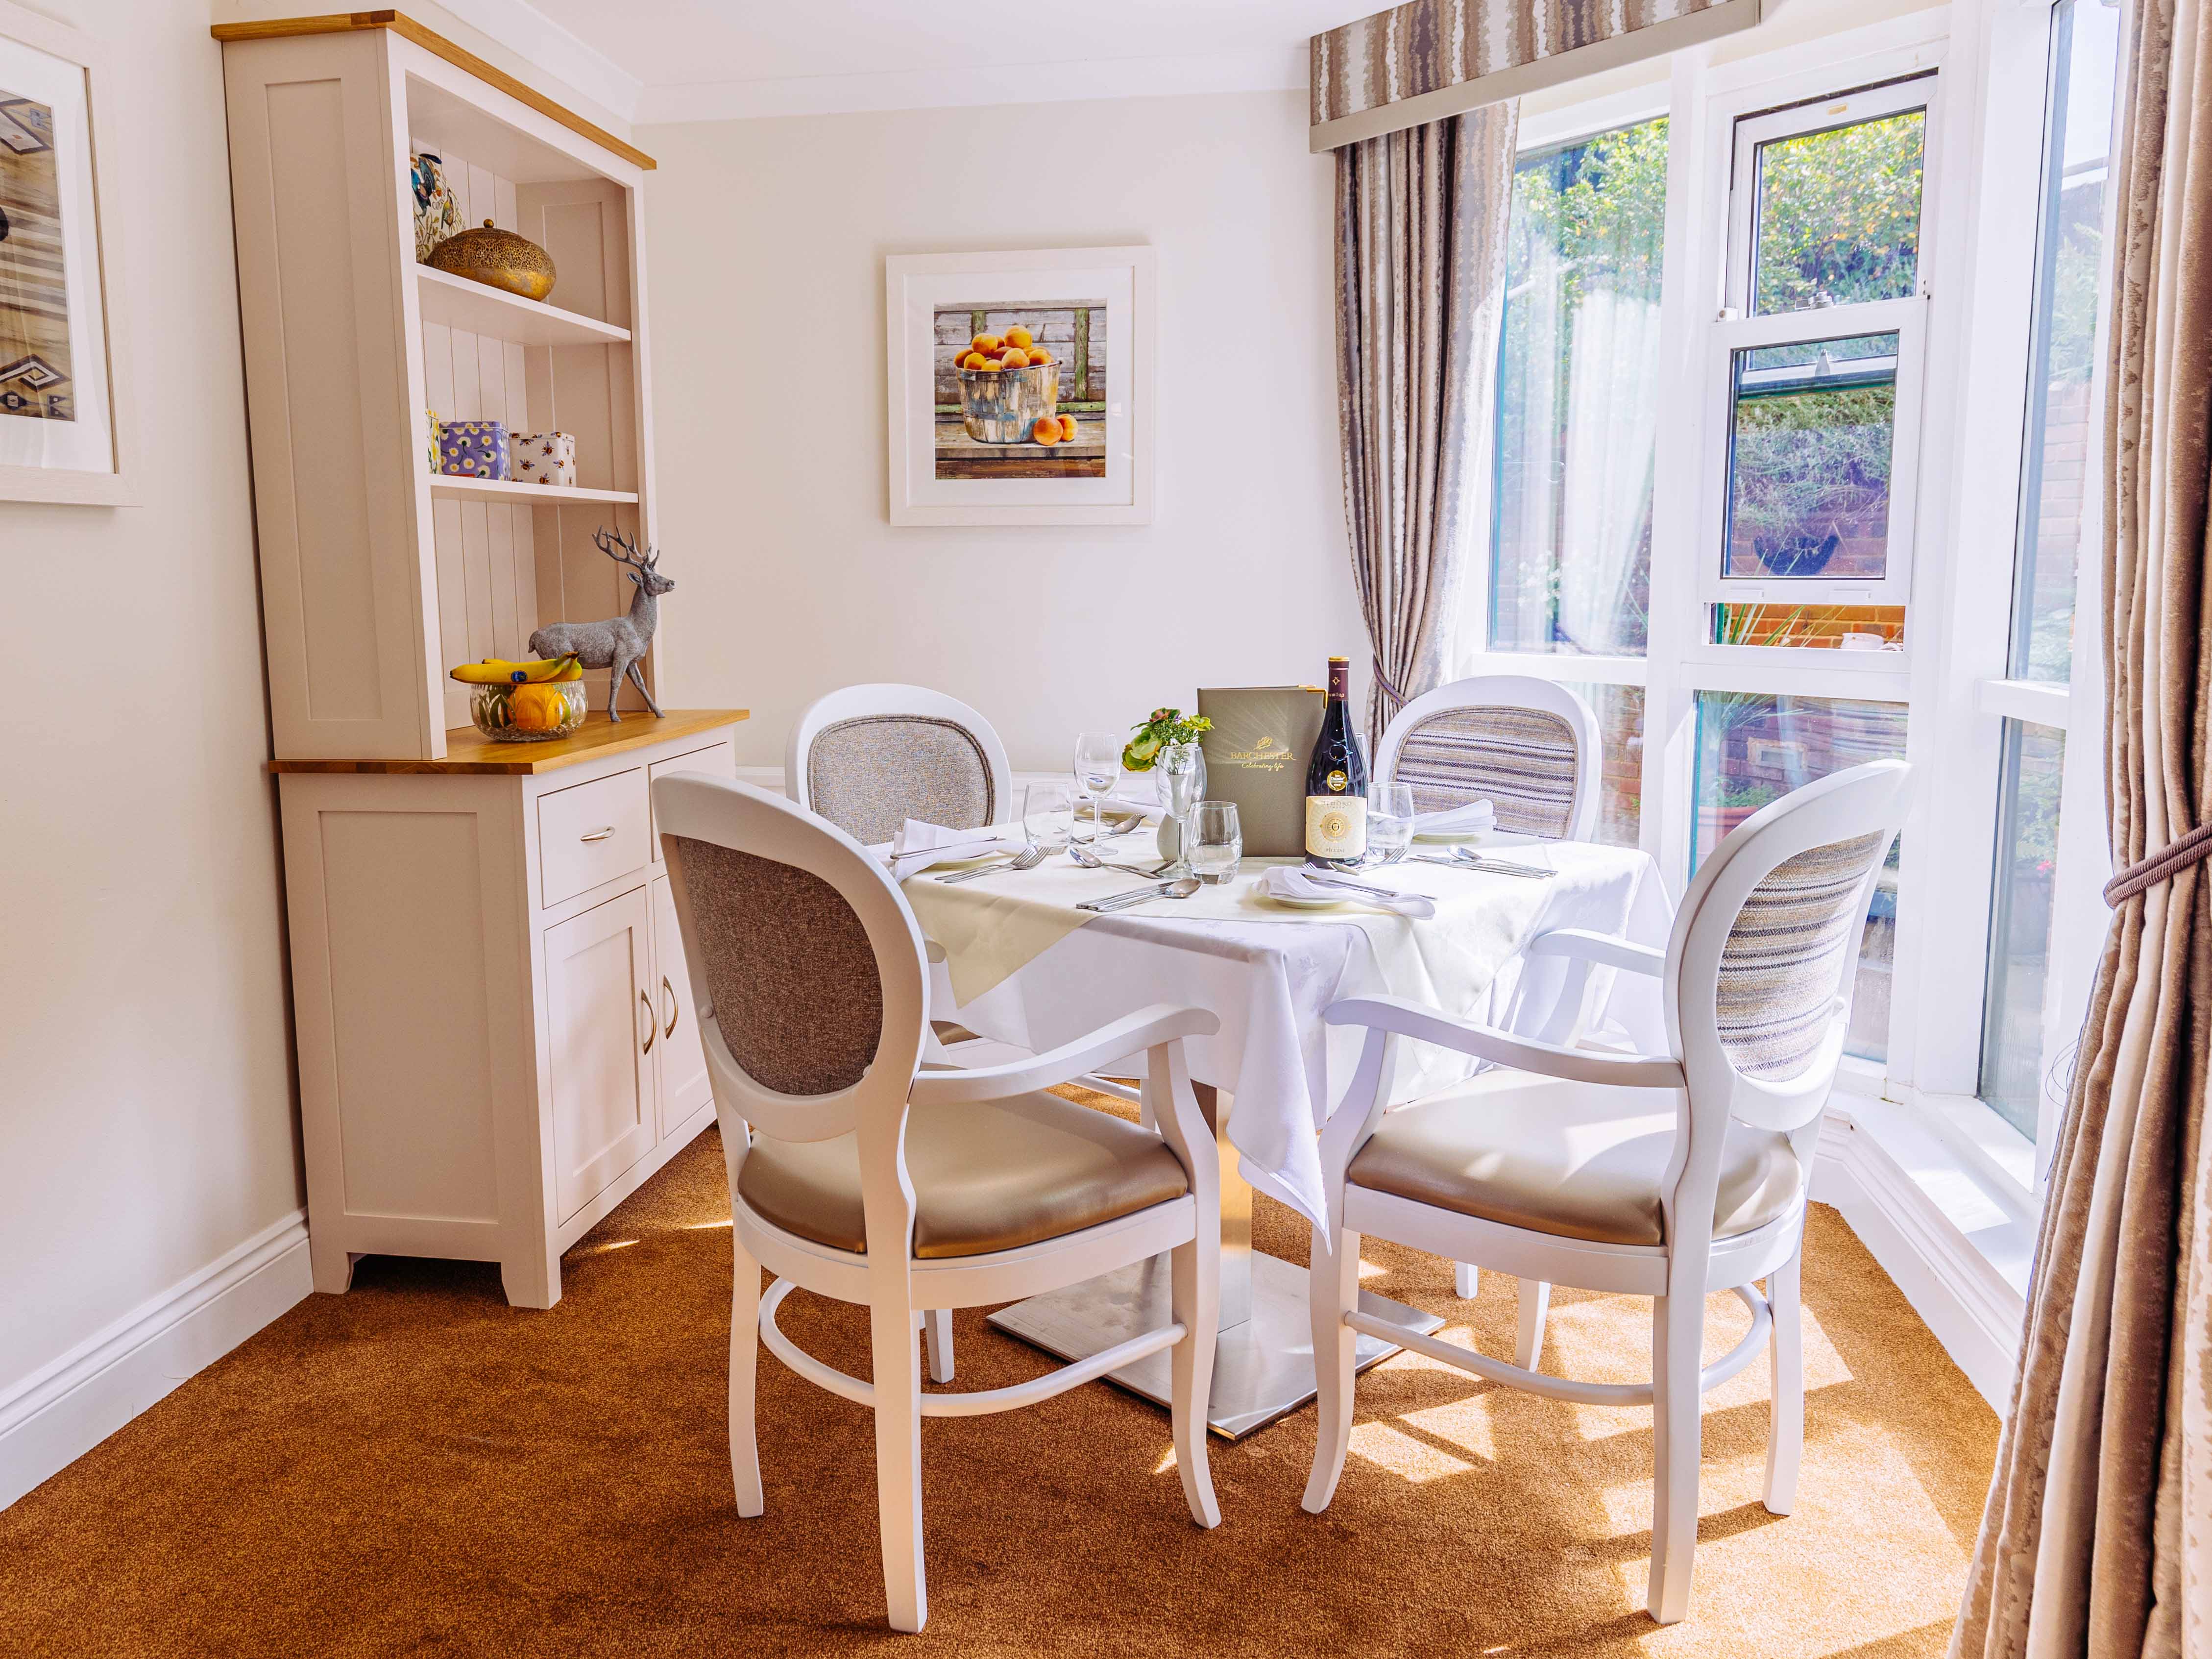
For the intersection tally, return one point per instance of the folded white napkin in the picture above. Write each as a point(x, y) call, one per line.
point(1289, 881)
point(917, 845)
point(1470, 819)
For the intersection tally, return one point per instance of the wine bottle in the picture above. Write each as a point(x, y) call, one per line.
point(1336, 781)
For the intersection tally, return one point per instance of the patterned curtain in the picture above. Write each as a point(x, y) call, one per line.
point(2098, 1537)
point(1420, 277)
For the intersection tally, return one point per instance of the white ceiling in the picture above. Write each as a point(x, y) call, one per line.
point(688, 60)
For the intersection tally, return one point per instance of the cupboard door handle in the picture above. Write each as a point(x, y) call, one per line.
point(651, 1020)
point(675, 1008)
point(600, 834)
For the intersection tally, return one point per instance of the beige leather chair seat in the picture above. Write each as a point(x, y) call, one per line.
point(1586, 1165)
point(988, 1175)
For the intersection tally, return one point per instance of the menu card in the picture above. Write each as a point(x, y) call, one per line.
point(1256, 755)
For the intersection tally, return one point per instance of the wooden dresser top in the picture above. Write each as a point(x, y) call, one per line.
point(469, 753)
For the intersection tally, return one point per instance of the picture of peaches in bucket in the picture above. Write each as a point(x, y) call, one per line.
point(1021, 391)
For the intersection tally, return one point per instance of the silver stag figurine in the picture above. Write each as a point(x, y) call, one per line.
point(619, 641)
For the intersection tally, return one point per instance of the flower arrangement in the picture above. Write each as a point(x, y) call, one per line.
point(1155, 732)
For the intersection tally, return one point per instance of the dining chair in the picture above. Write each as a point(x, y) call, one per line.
point(1667, 1176)
point(1531, 748)
point(858, 1174)
point(868, 757)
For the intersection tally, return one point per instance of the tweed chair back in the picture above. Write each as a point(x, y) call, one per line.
point(806, 967)
point(1529, 747)
point(868, 757)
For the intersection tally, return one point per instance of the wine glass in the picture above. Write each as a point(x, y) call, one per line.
point(1180, 768)
point(1389, 822)
point(1216, 841)
point(1048, 816)
point(1097, 771)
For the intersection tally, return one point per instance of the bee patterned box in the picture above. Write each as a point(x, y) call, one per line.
point(543, 458)
point(473, 449)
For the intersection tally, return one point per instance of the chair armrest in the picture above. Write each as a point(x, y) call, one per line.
point(1161, 1022)
point(1604, 949)
point(1523, 1053)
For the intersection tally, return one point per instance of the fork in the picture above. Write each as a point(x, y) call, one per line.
point(1028, 859)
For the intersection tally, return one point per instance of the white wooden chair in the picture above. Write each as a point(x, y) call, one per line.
point(867, 757)
point(1533, 749)
point(867, 1178)
point(1667, 1176)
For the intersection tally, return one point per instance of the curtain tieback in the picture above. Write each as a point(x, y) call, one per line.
point(1398, 698)
point(2169, 860)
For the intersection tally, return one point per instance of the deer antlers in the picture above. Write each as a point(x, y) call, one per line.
point(629, 556)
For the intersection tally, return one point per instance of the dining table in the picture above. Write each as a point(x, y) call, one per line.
point(1017, 961)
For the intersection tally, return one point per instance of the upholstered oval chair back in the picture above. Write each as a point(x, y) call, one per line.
point(867, 757)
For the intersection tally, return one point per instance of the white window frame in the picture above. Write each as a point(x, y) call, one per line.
point(1982, 181)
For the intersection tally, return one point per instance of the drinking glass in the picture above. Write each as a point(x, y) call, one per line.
point(1048, 816)
point(1389, 822)
point(1216, 841)
point(1180, 768)
point(1098, 772)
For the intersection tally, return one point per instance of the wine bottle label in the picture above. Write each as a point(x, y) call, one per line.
point(1336, 826)
point(1336, 783)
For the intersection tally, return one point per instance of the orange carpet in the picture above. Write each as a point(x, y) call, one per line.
point(415, 1468)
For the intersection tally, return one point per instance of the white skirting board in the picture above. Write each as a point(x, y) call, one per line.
point(1973, 1310)
point(61, 1411)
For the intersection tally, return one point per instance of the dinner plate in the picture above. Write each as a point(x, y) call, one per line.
point(1461, 837)
point(1306, 904)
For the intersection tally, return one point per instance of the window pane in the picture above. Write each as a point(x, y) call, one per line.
point(1808, 458)
point(1620, 723)
point(1838, 214)
point(2019, 922)
point(2055, 513)
point(1811, 626)
point(1578, 398)
point(1756, 747)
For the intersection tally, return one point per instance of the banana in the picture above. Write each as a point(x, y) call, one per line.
point(492, 670)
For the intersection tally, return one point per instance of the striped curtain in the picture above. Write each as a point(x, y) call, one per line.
point(1420, 278)
point(2098, 1537)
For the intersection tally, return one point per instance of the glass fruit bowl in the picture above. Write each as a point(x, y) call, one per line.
point(531, 713)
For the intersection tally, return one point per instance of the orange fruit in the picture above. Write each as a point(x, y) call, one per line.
point(988, 344)
point(1046, 431)
point(1067, 428)
point(1020, 337)
point(1038, 355)
point(975, 360)
point(987, 363)
point(1014, 359)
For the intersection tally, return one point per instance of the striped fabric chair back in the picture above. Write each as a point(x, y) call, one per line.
point(1793, 942)
point(1523, 760)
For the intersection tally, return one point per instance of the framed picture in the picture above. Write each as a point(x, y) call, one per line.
point(61, 349)
point(1020, 387)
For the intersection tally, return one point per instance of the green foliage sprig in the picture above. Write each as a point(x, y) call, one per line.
point(1155, 732)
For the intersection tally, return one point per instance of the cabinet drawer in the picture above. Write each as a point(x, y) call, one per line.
point(591, 833)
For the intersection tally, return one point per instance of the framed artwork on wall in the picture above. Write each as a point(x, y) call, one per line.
point(62, 410)
point(1020, 387)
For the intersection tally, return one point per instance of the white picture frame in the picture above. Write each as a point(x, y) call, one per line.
point(50, 67)
point(926, 487)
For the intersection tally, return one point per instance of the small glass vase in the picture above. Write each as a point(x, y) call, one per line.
point(1180, 770)
point(537, 713)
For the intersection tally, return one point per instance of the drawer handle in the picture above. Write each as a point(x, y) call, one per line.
point(600, 834)
point(651, 1020)
point(675, 1008)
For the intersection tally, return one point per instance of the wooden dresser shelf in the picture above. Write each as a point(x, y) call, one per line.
point(469, 753)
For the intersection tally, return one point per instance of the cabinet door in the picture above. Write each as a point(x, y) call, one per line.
point(599, 999)
point(685, 1087)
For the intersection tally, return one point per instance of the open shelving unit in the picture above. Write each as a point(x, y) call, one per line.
point(379, 574)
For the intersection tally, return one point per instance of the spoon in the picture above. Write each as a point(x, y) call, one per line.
point(1177, 889)
point(1498, 867)
point(1091, 860)
point(1028, 859)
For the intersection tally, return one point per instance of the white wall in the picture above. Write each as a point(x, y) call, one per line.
point(146, 1115)
point(766, 247)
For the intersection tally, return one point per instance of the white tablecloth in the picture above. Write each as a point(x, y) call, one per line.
point(1270, 982)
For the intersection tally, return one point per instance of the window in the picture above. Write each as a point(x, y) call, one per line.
point(2013, 1037)
point(2069, 279)
point(1620, 710)
point(1577, 396)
